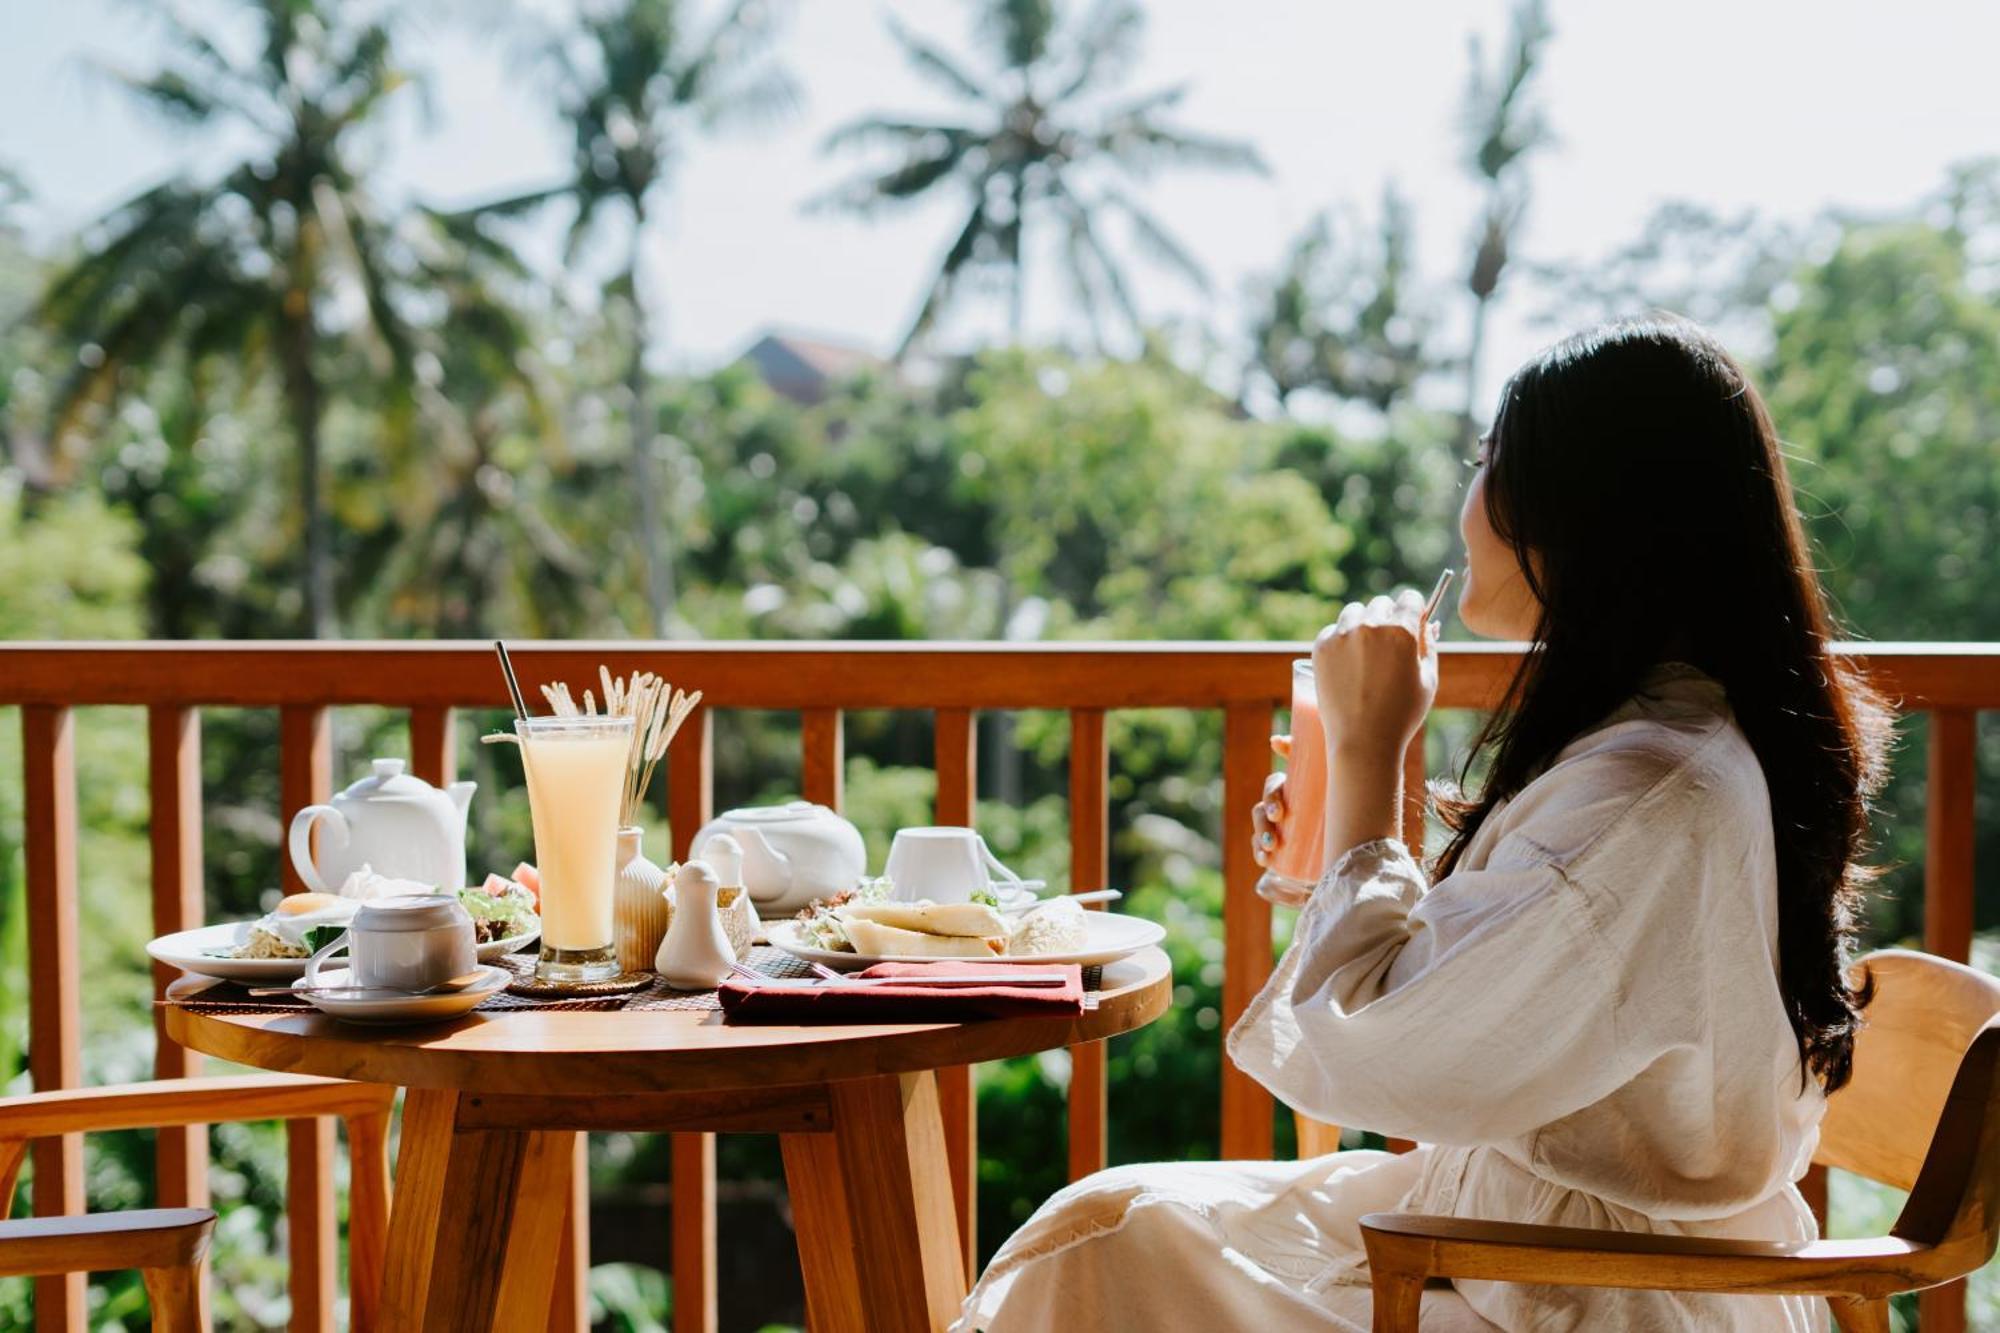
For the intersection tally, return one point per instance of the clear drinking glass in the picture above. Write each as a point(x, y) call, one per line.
point(1294, 871)
point(576, 777)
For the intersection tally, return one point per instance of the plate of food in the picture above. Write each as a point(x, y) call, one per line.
point(274, 947)
point(849, 932)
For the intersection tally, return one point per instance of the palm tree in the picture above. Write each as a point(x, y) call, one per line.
point(637, 83)
point(1341, 315)
point(1502, 128)
point(1038, 139)
point(273, 263)
point(480, 548)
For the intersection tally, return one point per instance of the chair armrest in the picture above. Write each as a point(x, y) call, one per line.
point(94, 1242)
point(187, 1101)
point(1413, 1245)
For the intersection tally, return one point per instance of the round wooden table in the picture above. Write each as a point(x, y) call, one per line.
point(496, 1100)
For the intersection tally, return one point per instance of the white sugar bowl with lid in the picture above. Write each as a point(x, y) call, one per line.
point(407, 943)
point(391, 821)
point(792, 853)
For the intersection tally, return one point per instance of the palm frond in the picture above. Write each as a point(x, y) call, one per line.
point(361, 243)
point(857, 133)
point(1139, 143)
point(137, 236)
point(169, 92)
point(1078, 259)
point(507, 209)
point(1499, 123)
point(1084, 233)
point(1020, 28)
point(945, 282)
point(1108, 45)
point(758, 100)
point(740, 36)
point(928, 59)
point(903, 184)
point(923, 167)
point(195, 44)
point(1156, 241)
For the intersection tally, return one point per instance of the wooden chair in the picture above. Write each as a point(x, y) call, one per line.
point(168, 1245)
point(1928, 1060)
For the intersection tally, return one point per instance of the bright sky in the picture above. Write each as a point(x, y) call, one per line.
point(1779, 105)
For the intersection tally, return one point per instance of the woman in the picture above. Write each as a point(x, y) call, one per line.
point(1620, 996)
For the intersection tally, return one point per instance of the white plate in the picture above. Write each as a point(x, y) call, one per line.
point(498, 949)
point(189, 950)
point(1009, 893)
point(1109, 937)
point(378, 1007)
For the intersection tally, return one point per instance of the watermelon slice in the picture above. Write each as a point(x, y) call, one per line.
point(530, 879)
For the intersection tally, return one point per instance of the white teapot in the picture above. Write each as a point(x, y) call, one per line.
point(392, 821)
point(792, 853)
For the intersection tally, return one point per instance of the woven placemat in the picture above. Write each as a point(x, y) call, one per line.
point(228, 997)
point(522, 965)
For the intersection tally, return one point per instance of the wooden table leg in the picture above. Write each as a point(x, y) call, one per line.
point(569, 1303)
point(476, 1224)
point(872, 1202)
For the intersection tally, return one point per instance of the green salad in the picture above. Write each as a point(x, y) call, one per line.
point(500, 909)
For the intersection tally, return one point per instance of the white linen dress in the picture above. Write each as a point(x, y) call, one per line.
point(1581, 1026)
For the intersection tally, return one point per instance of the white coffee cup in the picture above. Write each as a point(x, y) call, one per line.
point(407, 943)
point(945, 865)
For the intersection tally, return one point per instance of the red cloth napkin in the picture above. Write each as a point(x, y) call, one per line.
point(830, 1002)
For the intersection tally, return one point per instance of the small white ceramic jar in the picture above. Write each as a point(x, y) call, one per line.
point(407, 943)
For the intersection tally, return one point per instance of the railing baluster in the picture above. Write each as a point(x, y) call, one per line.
point(1089, 868)
point(55, 1019)
point(690, 804)
point(173, 746)
point(1949, 829)
point(956, 745)
point(1246, 918)
point(433, 745)
point(823, 752)
point(1948, 834)
point(305, 777)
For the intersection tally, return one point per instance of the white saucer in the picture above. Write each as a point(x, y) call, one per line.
point(388, 1007)
point(1109, 936)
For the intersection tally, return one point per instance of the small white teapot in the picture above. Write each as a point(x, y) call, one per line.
point(792, 853)
point(392, 821)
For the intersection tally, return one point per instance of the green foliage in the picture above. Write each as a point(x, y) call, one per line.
point(248, 267)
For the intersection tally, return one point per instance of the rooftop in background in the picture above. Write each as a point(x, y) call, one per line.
point(804, 369)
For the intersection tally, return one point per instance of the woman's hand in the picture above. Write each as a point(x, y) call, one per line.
point(1376, 675)
point(1268, 819)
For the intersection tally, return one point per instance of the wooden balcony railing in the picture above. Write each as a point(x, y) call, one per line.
point(1247, 683)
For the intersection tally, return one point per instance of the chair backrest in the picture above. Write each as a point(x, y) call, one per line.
point(1915, 1033)
point(1922, 1111)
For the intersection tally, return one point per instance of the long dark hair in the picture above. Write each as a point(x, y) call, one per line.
point(1635, 472)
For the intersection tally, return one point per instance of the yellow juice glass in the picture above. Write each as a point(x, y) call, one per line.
point(576, 778)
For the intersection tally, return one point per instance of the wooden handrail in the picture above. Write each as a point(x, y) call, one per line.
point(1245, 682)
point(1054, 675)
